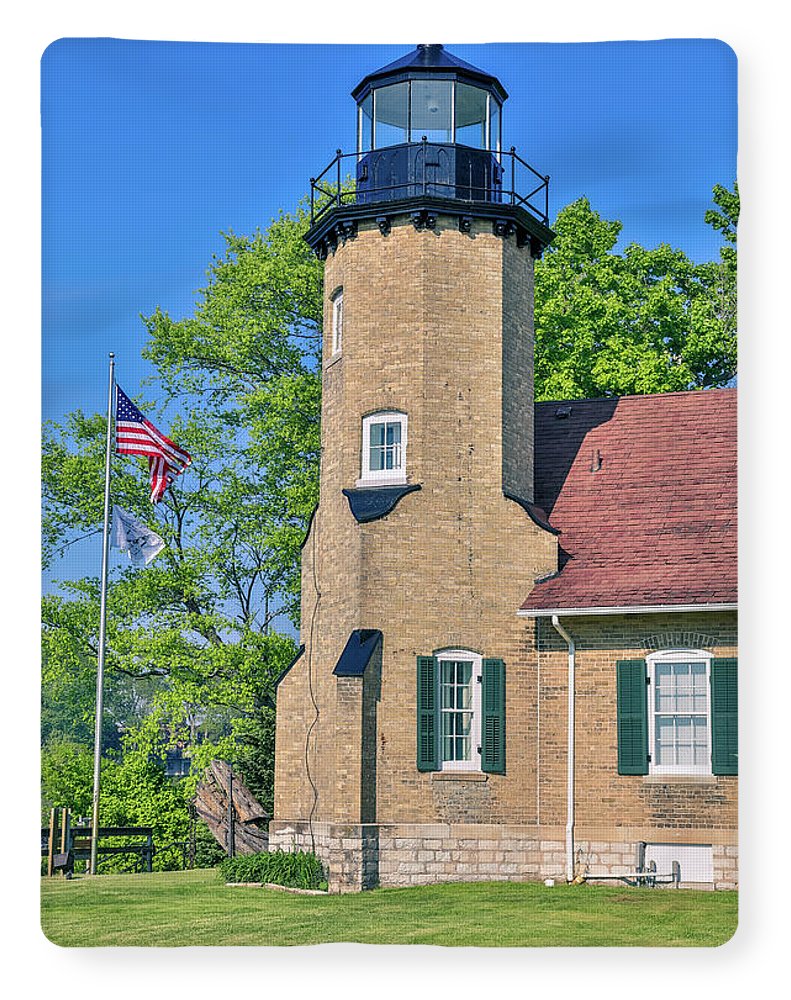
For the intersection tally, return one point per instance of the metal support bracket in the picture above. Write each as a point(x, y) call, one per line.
point(503, 227)
point(346, 228)
point(424, 219)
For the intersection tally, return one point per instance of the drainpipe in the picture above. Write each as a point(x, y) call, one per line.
point(570, 750)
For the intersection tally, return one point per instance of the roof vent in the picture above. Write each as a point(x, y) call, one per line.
point(562, 412)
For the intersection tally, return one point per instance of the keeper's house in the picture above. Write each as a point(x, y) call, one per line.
point(519, 620)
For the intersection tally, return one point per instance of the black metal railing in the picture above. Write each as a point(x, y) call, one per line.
point(442, 170)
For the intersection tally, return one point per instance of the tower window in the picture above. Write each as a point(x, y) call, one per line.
point(391, 115)
point(384, 448)
point(337, 322)
point(471, 108)
point(431, 108)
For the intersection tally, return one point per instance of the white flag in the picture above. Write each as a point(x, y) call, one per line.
point(134, 537)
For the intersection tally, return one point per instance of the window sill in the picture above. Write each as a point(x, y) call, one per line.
point(680, 779)
point(338, 356)
point(372, 484)
point(459, 776)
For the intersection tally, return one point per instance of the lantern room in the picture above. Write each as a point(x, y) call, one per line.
point(429, 122)
point(429, 141)
point(429, 94)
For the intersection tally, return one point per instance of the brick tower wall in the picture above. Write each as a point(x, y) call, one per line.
point(437, 324)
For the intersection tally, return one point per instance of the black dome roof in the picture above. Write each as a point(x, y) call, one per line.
point(427, 60)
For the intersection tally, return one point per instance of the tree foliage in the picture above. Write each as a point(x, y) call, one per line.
point(641, 321)
point(726, 221)
point(135, 792)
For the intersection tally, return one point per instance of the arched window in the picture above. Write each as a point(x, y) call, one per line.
point(460, 712)
point(384, 444)
point(459, 676)
point(679, 711)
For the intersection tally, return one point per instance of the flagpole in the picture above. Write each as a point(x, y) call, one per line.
point(97, 746)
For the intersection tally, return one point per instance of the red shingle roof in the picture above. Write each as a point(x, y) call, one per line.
point(643, 490)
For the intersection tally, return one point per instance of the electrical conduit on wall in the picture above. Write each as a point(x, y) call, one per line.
point(310, 681)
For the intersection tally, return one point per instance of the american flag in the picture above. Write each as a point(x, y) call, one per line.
point(134, 435)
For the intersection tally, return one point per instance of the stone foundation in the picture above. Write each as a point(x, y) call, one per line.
point(350, 853)
point(368, 855)
point(726, 866)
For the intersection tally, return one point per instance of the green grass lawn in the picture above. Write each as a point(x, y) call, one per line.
point(196, 908)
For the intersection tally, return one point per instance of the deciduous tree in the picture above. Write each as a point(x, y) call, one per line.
point(612, 323)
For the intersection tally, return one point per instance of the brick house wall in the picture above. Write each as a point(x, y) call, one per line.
point(444, 826)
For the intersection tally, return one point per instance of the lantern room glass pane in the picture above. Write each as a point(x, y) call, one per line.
point(391, 115)
point(470, 116)
point(431, 110)
point(365, 134)
point(494, 128)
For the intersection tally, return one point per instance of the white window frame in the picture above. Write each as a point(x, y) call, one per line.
point(382, 477)
point(676, 656)
point(337, 322)
point(474, 764)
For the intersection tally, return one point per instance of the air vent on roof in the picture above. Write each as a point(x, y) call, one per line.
point(562, 412)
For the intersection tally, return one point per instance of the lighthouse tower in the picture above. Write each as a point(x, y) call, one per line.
point(425, 540)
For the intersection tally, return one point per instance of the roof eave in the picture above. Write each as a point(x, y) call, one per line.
point(629, 609)
point(482, 80)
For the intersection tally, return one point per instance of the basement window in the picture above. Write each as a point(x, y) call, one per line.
point(695, 860)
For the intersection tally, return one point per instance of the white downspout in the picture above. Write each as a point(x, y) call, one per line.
point(570, 749)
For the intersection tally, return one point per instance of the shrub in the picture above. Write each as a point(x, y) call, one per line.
point(135, 792)
point(297, 869)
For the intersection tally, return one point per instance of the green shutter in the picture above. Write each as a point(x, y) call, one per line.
point(427, 714)
point(724, 716)
point(493, 721)
point(632, 717)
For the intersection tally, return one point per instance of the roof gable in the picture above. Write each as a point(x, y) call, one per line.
point(643, 490)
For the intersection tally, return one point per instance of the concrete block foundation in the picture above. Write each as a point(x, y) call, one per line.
point(366, 856)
